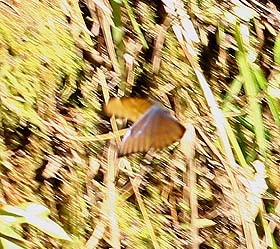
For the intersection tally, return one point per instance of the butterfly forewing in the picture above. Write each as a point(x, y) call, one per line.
point(128, 107)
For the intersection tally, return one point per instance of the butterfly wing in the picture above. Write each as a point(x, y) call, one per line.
point(167, 130)
point(127, 107)
point(156, 129)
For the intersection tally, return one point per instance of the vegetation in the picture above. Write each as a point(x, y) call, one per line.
point(215, 63)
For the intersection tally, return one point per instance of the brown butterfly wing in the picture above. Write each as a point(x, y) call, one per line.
point(139, 136)
point(167, 130)
point(156, 129)
point(127, 107)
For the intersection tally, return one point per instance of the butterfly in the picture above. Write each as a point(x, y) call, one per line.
point(154, 126)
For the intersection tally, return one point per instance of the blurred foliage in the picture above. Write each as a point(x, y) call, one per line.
point(59, 62)
point(27, 213)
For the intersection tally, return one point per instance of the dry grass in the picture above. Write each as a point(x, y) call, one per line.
point(214, 64)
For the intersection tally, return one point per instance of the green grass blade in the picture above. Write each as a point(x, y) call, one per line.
point(135, 24)
point(251, 90)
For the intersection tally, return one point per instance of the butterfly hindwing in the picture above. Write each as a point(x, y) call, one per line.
point(168, 131)
point(156, 129)
point(139, 136)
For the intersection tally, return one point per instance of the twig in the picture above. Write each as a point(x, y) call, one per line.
point(105, 26)
point(158, 45)
point(112, 199)
point(135, 186)
point(190, 53)
point(111, 189)
point(96, 236)
point(10, 6)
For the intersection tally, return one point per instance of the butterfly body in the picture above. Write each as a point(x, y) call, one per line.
point(155, 129)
